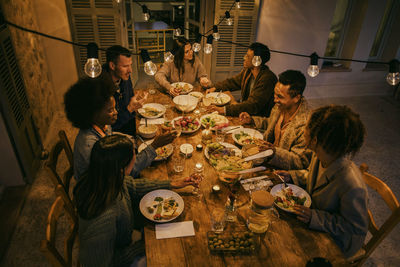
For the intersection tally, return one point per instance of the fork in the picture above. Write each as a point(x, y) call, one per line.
point(282, 179)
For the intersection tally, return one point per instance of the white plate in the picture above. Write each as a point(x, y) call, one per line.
point(159, 107)
point(297, 191)
point(192, 131)
point(183, 85)
point(196, 94)
point(219, 119)
point(219, 99)
point(253, 133)
point(170, 148)
point(238, 152)
point(148, 200)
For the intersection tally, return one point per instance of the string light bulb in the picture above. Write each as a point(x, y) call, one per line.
point(237, 4)
point(177, 31)
point(92, 67)
point(313, 69)
point(229, 20)
point(393, 77)
point(149, 67)
point(146, 14)
point(196, 45)
point(256, 58)
point(216, 34)
point(170, 55)
point(208, 46)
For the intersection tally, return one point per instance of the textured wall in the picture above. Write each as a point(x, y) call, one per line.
point(32, 62)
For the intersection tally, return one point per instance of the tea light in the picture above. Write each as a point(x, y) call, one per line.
point(199, 167)
point(199, 147)
point(216, 188)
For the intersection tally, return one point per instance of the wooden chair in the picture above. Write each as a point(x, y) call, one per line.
point(48, 245)
point(65, 178)
point(378, 233)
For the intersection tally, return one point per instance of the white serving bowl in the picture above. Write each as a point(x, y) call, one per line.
point(185, 103)
point(149, 131)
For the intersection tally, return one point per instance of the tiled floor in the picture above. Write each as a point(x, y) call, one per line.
point(381, 151)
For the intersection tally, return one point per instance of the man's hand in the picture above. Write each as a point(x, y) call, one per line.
point(245, 118)
point(303, 213)
point(210, 90)
point(137, 101)
point(162, 140)
point(205, 82)
point(213, 108)
point(285, 175)
point(179, 183)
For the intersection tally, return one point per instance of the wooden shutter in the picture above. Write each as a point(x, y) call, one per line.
point(16, 111)
point(227, 59)
point(97, 21)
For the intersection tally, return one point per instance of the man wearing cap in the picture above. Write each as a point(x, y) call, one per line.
point(256, 84)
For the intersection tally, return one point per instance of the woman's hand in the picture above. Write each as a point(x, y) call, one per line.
point(210, 90)
point(205, 82)
point(245, 118)
point(303, 213)
point(173, 91)
point(182, 182)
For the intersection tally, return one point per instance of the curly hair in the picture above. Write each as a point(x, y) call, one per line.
point(295, 79)
point(87, 97)
point(337, 129)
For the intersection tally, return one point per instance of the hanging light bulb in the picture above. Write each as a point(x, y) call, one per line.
point(229, 20)
point(170, 55)
point(313, 69)
point(256, 58)
point(216, 33)
point(92, 67)
point(208, 46)
point(196, 45)
point(146, 14)
point(237, 4)
point(393, 77)
point(177, 31)
point(118, 1)
point(149, 67)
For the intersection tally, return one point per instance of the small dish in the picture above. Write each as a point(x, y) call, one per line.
point(186, 149)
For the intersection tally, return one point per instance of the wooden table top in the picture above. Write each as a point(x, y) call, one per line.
point(287, 242)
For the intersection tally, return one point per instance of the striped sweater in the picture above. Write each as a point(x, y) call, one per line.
point(106, 240)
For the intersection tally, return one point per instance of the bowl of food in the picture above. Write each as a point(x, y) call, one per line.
point(148, 131)
point(185, 103)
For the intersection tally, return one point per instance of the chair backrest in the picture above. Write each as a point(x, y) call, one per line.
point(379, 233)
point(48, 245)
point(63, 179)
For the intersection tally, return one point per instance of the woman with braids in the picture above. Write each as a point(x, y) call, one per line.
point(107, 202)
point(334, 182)
point(186, 67)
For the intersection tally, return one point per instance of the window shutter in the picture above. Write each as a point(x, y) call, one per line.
point(227, 59)
point(16, 110)
point(94, 21)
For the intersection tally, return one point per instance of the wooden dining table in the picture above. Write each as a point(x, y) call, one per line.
point(287, 242)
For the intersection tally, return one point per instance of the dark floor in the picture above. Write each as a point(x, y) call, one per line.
point(381, 151)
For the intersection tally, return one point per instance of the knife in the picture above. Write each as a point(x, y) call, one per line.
point(256, 169)
point(262, 154)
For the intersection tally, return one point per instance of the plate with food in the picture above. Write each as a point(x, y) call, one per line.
point(182, 87)
point(188, 123)
point(287, 197)
point(225, 157)
point(196, 94)
point(152, 110)
point(162, 152)
point(214, 120)
point(161, 205)
point(246, 136)
point(218, 98)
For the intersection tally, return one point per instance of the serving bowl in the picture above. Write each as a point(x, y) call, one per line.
point(148, 131)
point(185, 103)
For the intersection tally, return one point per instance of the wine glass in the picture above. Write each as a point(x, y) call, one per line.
point(197, 177)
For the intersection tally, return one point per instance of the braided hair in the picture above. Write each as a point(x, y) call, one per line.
point(338, 129)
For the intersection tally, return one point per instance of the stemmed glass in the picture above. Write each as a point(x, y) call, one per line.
point(197, 177)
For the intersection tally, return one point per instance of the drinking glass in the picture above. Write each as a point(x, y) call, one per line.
point(179, 163)
point(152, 89)
point(197, 177)
point(219, 136)
point(217, 220)
point(207, 101)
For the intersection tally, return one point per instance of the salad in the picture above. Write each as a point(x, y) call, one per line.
point(286, 199)
point(244, 138)
point(225, 159)
point(212, 120)
point(187, 123)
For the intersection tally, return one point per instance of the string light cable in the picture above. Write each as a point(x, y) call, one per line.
point(93, 67)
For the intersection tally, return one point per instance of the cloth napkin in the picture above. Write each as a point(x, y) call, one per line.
point(178, 229)
point(152, 121)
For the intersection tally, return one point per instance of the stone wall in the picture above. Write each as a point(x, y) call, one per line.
point(32, 62)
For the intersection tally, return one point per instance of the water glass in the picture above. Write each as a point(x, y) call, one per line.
point(179, 163)
point(152, 89)
point(217, 220)
point(220, 136)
